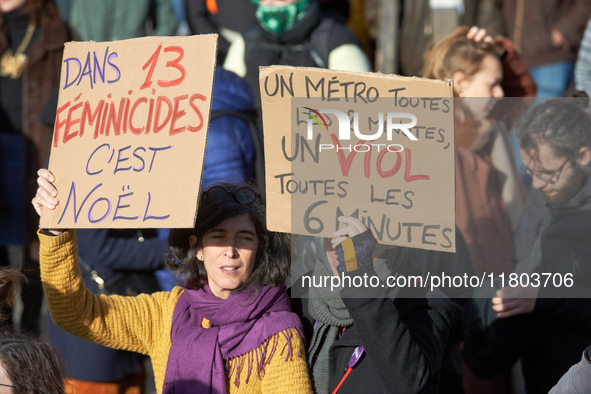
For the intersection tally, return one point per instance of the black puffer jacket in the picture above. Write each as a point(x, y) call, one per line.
point(307, 44)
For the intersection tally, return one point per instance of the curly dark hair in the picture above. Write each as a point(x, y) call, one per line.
point(272, 257)
point(562, 123)
point(32, 364)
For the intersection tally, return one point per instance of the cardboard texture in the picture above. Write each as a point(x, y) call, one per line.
point(325, 157)
point(130, 132)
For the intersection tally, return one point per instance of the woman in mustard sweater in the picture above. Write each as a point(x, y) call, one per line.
point(228, 329)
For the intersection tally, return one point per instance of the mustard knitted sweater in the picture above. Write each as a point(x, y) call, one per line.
point(142, 324)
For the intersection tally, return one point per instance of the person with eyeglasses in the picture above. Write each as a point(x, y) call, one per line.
point(545, 176)
point(546, 324)
point(227, 328)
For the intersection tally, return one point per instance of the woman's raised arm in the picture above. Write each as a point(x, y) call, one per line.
point(46, 195)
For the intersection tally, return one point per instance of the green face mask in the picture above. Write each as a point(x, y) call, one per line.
point(279, 19)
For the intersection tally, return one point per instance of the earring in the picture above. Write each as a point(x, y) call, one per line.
point(461, 95)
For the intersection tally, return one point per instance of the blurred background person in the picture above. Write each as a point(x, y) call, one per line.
point(228, 18)
point(233, 153)
point(488, 188)
point(418, 24)
point(32, 35)
point(547, 34)
point(583, 63)
point(110, 20)
point(179, 9)
point(293, 33)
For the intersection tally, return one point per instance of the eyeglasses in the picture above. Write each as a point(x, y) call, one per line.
point(7, 385)
point(546, 176)
point(243, 196)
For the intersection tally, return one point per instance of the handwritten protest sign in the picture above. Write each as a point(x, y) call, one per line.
point(130, 132)
point(377, 147)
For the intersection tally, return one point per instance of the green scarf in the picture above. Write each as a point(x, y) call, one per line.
point(278, 19)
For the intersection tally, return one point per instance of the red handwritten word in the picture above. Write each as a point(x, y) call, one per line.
point(107, 117)
point(345, 163)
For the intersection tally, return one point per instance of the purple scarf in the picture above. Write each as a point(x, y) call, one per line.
point(242, 323)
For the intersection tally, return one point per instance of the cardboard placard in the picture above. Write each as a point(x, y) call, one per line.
point(377, 147)
point(130, 132)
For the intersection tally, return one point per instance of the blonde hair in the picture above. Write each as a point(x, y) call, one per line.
point(454, 52)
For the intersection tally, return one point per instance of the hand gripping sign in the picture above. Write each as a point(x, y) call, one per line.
point(377, 147)
point(130, 132)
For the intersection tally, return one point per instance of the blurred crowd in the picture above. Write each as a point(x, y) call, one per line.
point(521, 71)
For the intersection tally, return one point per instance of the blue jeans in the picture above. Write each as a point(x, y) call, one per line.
point(553, 79)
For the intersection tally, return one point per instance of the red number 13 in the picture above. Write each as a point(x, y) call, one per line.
point(175, 63)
